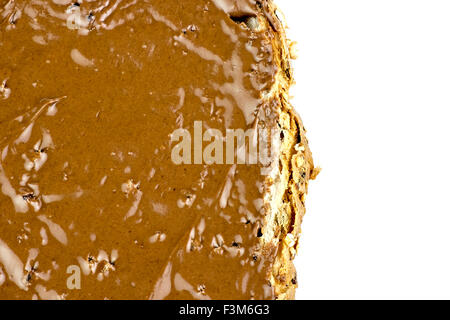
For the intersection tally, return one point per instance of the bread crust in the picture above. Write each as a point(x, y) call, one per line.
point(286, 207)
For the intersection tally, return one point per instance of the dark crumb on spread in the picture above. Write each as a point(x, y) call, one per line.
point(259, 234)
point(241, 19)
point(29, 197)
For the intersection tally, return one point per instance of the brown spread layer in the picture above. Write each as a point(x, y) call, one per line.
point(90, 94)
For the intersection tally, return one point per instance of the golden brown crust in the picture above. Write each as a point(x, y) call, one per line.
point(296, 168)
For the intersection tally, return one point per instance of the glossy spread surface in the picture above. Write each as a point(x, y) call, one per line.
point(86, 176)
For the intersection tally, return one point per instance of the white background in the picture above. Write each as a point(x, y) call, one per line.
point(373, 89)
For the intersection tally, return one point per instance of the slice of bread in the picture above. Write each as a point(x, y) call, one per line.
point(148, 150)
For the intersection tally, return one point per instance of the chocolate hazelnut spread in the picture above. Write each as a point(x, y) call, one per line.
point(90, 94)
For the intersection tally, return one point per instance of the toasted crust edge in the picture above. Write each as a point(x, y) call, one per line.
point(285, 203)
